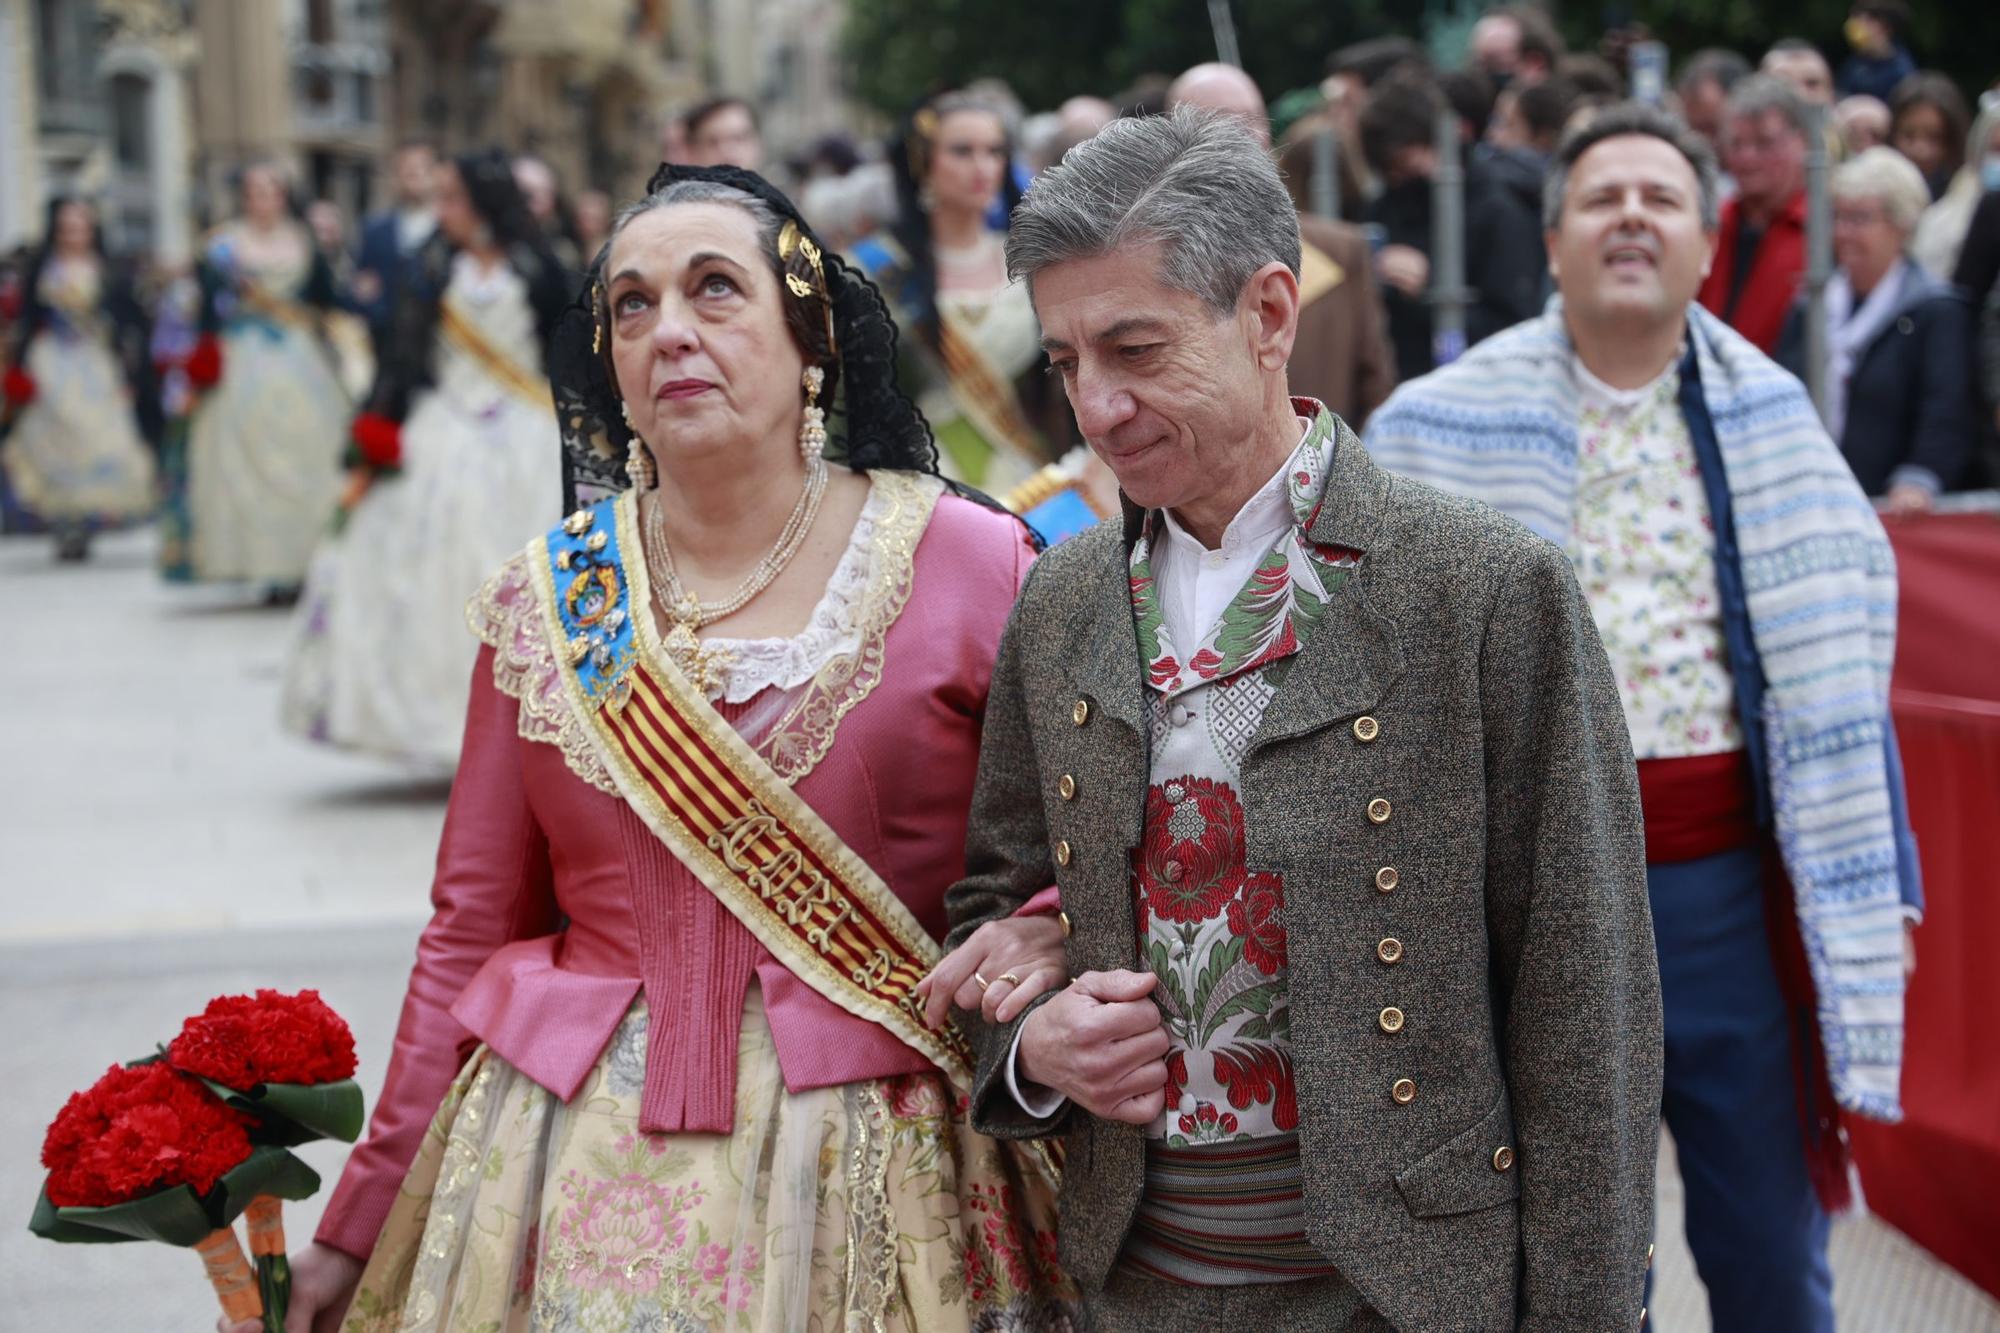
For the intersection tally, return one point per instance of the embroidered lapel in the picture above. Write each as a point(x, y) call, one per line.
point(1354, 655)
point(1278, 608)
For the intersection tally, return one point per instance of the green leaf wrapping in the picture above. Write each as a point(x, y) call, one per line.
point(295, 1113)
point(179, 1216)
point(274, 1281)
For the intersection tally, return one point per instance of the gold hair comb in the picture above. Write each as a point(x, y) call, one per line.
point(789, 240)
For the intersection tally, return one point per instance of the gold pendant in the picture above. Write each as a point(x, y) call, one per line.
point(697, 664)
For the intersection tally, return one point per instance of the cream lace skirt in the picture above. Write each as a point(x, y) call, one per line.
point(75, 454)
point(832, 1209)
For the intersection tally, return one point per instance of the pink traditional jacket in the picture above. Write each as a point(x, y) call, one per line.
point(555, 906)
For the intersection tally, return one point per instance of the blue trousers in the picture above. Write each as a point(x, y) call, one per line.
point(1755, 1226)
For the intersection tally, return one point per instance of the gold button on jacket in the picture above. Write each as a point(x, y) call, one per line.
point(1062, 853)
point(1391, 1019)
point(1503, 1158)
point(1067, 787)
point(1389, 950)
point(1378, 810)
point(1366, 729)
point(1386, 879)
point(1404, 1092)
point(1081, 713)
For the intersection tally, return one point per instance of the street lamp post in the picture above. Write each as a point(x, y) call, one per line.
point(1448, 296)
point(1819, 256)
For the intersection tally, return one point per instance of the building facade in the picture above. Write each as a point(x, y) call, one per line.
point(582, 84)
point(152, 107)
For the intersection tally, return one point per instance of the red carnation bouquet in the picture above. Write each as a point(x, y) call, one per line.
point(176, 1147)
point(379, 440)
point(204, 363)
point(17, 386)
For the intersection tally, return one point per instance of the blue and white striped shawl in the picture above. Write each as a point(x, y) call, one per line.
point(1500, 424)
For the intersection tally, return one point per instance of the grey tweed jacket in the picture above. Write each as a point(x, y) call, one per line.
point(1445, 782)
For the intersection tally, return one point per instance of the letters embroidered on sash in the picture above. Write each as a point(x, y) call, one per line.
point(781, 875)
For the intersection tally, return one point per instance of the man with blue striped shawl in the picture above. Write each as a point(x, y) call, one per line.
point(1746, 596)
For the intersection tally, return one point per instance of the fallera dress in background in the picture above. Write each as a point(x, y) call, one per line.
point(381, 658)
point(970, 386)
point(258, 474)
point(74, 456)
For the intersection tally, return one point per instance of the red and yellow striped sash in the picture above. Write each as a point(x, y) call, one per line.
point(777, 866)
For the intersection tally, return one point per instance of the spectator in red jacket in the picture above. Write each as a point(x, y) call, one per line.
point(1760, 251)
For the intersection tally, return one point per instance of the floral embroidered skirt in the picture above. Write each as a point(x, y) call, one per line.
point(870, 1206)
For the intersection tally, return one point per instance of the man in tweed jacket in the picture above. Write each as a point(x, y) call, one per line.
point(1331, 775)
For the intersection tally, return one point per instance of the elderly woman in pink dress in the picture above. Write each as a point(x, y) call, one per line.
point(664, 1061)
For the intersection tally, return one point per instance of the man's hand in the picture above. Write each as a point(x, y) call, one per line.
point(1018, 957)
point(1909, 951)
point(1102, 1044)
point(1906, 499)
point(1403, 267)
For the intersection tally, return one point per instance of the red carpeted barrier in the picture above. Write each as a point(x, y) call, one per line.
point(1936, 1176)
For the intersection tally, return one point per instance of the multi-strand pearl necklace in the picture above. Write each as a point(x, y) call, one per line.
point(689, 613)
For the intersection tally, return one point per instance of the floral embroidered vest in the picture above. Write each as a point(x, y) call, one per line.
point(1210, 926)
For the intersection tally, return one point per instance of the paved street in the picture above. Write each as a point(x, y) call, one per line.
point(161, 842)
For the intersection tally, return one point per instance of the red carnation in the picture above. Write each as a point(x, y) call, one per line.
point(204, 364)
point(379, 439)
point(138, 1131)
point(19, 387)
point(240, 1042)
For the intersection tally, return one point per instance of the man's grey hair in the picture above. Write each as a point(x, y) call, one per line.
point(1760, 93)
point(1196, 182)
point(1628, 118)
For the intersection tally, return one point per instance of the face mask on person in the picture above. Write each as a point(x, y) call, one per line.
point(1989, 173)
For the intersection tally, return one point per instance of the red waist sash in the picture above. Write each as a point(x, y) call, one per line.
point(1697, 807)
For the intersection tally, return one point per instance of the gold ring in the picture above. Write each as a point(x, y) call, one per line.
point(1009, 978)
point(983, 982)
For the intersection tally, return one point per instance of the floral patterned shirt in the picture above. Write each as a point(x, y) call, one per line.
point(1644, 549)
point(1210, 926)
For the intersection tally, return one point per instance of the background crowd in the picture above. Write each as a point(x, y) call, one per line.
point(351, 415)
point(1910, 360)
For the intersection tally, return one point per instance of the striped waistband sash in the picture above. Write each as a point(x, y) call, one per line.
point(1223, 1215)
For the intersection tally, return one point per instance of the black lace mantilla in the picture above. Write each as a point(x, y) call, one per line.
point(871, 422)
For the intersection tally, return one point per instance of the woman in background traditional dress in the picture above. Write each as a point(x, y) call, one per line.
point(256, 479)
point(457, 462)
point(971, 348)
point(76, 386)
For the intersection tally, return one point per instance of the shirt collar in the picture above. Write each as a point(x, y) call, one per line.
point(1594, 392)
point(1265, 515)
